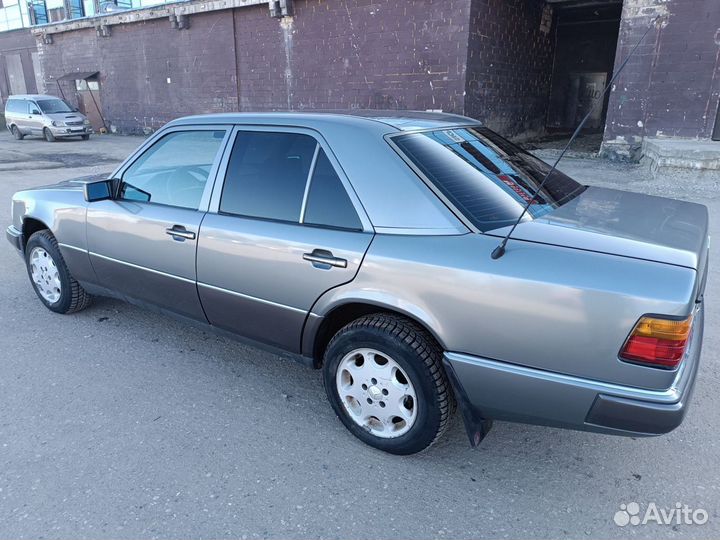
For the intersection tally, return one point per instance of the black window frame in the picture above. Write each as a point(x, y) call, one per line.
point(320, 145)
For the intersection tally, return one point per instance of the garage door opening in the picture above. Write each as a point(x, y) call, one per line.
point(586, 40)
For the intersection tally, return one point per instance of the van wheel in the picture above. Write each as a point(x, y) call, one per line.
point(49, 137)
point(16, 133)
point(384, 379)
point(85, 137)
point(50, 277)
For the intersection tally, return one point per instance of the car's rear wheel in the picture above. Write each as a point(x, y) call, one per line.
point(16, 133)
point(384, 379)
point(50, 277)
point(49, 137)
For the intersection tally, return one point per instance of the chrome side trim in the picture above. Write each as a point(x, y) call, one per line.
point(158, 272)
point(75, 248)
point(248, 297)
point(311, 171)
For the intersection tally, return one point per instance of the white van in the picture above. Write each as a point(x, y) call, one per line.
point(46, 116)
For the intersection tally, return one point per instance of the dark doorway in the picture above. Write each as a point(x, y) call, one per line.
point(586, 39)
point(716, 131)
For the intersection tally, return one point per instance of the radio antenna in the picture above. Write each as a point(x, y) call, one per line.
point(500, 250)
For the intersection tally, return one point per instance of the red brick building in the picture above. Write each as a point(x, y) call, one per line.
point(524, 67)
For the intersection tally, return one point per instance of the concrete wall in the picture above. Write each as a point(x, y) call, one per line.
point(16, 63)
point(509, 65)
point(672, 86)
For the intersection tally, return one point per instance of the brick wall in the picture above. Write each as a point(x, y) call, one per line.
point(672, 86)
point(354, 54)
point(509, 65)
point(151, 73)
point(331, 54)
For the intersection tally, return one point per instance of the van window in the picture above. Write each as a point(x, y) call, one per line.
point(54, 106)
point(18, 106)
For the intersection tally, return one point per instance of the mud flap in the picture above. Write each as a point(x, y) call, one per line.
point(476, 426)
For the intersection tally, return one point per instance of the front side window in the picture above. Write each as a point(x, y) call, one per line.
point(174, 170)
point(485, 176)
point(267, 174)
point(54, 106)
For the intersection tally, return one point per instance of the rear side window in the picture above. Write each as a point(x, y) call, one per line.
point(16, 106)
point(270, 174)
point(328, 203)
point(267, 174)
point(484, 176)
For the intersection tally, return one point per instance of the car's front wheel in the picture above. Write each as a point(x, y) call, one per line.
point(50, 277)
point(85, 137)
point(49, 137)
point(384, 379)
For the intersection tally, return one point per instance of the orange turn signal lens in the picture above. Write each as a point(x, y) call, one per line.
point(658, 342)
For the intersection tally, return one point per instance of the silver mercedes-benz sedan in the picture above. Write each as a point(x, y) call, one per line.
point(361, 244)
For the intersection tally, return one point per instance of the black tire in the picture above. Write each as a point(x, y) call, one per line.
point(16, 133)
point(49, 137)
point(72, 296)
point(419, 355)
point(85, 137)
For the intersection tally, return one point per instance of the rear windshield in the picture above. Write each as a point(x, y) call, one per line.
point(486, 177)
point(51, 106)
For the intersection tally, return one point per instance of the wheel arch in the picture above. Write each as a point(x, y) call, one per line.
point(30, 226)
point(319, 331)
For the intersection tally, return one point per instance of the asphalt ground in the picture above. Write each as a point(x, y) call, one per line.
point(121, 423)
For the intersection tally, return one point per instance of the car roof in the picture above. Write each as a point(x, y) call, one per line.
point(399, 120)
point(36, 97)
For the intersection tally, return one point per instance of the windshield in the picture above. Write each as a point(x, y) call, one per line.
point(51, 106)
point(486, 177)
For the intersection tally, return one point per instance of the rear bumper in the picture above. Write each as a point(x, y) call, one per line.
point(15, 238)
point(488, 389)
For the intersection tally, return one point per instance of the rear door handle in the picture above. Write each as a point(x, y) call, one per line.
point(321, 258)
point(178, 231)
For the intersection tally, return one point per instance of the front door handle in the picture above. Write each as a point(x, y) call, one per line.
point(178, 231)
point(322, 258)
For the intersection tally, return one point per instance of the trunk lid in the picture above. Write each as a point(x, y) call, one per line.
point(625, 224)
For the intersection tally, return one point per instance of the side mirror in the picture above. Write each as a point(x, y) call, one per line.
point(34, 111)
point(101, 190)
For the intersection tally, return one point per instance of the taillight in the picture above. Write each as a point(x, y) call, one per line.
point(658, 342)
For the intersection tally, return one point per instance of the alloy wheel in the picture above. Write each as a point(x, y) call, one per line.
point(377, 393)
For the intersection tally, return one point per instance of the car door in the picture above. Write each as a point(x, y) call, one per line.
point(284, 227)
point(34, 123)
point(142, 244)
point(21, 115)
